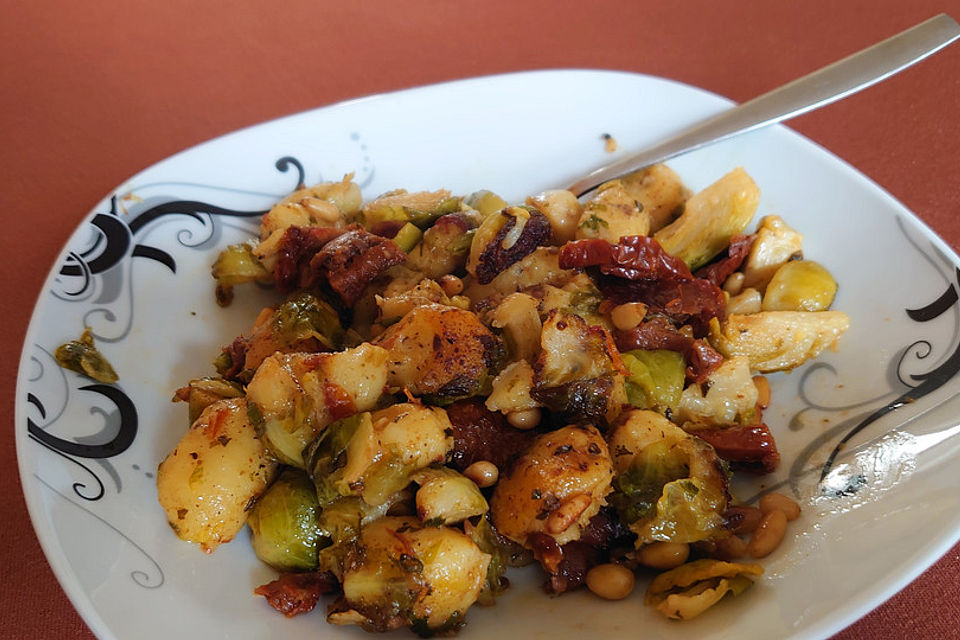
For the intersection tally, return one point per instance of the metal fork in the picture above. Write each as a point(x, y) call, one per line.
point(818, 89)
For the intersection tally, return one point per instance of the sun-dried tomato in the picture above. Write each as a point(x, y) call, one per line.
point(298, 246)
point(236, 354)
point(637, 269)
point(339, 402)
point(568, 565)
point(702, 360)
point(352, 261)
point(748, 447)
point(660, 333)
point(633, 258)
point(737, 252)
point(295, 593)
point(481, 434)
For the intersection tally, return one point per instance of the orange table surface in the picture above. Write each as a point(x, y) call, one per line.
point(93, 92)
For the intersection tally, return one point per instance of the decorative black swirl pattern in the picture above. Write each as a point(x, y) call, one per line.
point(918, 385)
point(284, 164)
point(113, 242)
point(126, 433)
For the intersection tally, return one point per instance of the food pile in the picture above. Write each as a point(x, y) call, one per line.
point(450, 386)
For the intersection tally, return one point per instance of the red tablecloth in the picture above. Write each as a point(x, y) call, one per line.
point(92, 92)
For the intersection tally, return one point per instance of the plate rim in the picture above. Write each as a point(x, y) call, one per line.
point(863, 602)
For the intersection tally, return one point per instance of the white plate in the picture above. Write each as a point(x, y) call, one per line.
point(138, 274)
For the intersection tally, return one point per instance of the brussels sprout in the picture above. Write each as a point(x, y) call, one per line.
point(519, 318)
point(393, 307)
point(777, 340)
point(445, 245)
point(597, 400)
point(710, 218)
point(83, 357)
point(728, 397)
point(447, 497)
point(571, 350)
point(208, 483)
point(235, 265)
point(441, 353)
point(327, 455)
point(800, 285)
point(340, 522)
point(670, 485)
point(374, 455)
point(486, 202)
point(555, 487)
point(503, 239)
point(692, 588)
point(203, 392)
point(656, 378)
point(420, 208)
point(503, 553)
point(304, 316)
point(511, 389)
point(283, 524)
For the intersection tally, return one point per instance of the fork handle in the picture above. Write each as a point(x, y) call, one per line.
point(815, 90)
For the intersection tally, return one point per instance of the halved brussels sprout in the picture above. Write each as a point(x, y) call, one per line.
point(284, 523)
point(420, 208)
point(575, 375)
point(393, 307)
point(690, 589)
point(445, 245)
point(511, 389)
point(219, 467)
point(555, 487)
point(519, 317)
point(503, 553)
point(305, 316)
point(660, 192)
point(202, 392)
point(710, 218)
point(486, 202)
point(776, 243)
point(728, 397)
point(562, 209)
point(447, 497)
point(670, 485)
point(777, 340)
point(503, 239)
point(571, 350)
point(374, 455)
point(293, 396)
point(441, 353)
point(800, 285)
point(656, 378)
point(235, 265)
